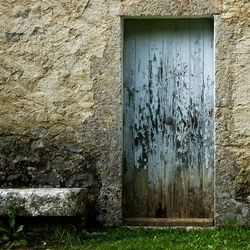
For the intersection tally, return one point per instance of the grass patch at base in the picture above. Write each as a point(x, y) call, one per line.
point(149, 239)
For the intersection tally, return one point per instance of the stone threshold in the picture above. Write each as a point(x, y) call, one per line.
point(44, 201)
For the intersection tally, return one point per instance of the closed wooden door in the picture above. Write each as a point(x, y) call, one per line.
point(168, 119)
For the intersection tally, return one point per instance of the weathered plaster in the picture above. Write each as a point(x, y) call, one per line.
point(232, 103)
point(61, 85)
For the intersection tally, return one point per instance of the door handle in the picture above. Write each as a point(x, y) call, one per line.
point(169, 120)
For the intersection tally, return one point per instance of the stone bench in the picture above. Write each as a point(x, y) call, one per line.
point(44, 201)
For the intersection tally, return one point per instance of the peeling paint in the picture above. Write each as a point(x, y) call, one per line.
point(172, 155)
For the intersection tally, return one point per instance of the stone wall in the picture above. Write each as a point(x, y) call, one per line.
point(61, 103)
point(233, 113)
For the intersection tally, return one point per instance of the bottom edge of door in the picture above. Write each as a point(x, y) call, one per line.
point(202, 222)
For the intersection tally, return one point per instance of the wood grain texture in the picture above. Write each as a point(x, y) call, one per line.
point(168, 118)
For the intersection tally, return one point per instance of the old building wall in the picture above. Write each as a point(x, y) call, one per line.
point(60, 113)
point(61, 97)
point(232, 113)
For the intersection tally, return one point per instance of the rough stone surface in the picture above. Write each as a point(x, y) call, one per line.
point(61, 97)
point(232, 113)
point(44, 201)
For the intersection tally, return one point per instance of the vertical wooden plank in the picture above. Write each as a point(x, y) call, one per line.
point(196, 104)
point(156, 122)
point(208, 135)
point(128, 118)
point(141, 128)
point(182, 116)
point(169, 97)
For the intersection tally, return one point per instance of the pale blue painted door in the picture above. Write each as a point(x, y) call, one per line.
point(168, 127)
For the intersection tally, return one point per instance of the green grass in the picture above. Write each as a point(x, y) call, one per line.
point(149, 239)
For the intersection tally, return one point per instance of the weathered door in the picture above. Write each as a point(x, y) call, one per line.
point(168, 119)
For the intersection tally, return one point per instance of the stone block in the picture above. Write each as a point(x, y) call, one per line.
point(44, 201)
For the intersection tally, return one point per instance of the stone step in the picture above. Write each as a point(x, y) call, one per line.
point(44, 201)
